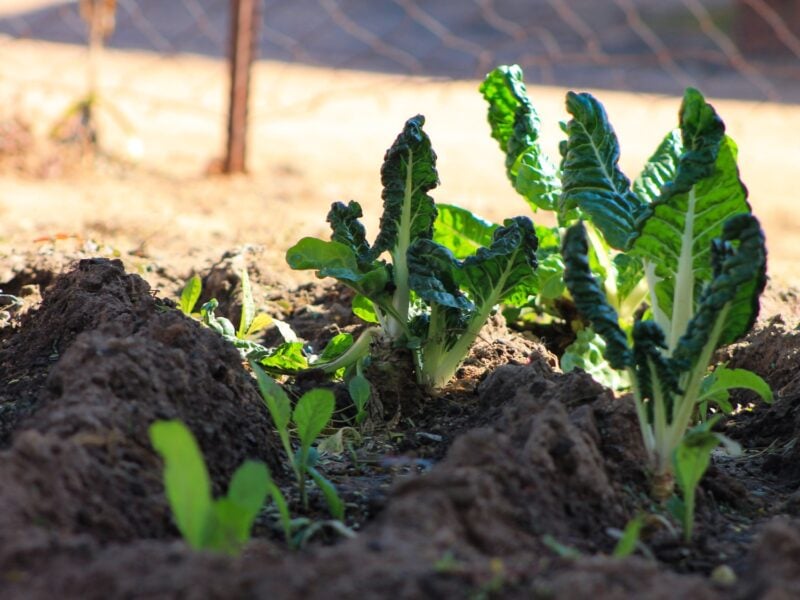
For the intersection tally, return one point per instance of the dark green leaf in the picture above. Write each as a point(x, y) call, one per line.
point(660, 168)
point(408, 174)
point(591, 300)
point(593, 183)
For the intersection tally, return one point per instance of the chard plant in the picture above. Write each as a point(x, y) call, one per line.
point(310, 416)
point(221, 525)
point(424, 297)
point(703, 258)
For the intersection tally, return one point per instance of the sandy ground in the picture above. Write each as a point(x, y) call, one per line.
point(317, 136)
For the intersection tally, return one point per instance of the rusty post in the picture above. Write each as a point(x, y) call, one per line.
point(242, 43)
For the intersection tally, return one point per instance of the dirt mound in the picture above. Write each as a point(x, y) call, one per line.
point(95, 366)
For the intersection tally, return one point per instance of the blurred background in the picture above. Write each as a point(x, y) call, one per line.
point(128, 107)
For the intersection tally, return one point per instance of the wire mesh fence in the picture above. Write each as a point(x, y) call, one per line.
point(747, 49)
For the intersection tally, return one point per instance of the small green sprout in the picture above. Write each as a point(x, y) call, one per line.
point(221, 525)
point(310, 417)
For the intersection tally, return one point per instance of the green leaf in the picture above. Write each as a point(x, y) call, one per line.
point(587, 352)
point(364, 309)
point(259, 323)
point(190, 294)
point(188, 487)
point(732, 297)
point(276, 400)
point(360, 391)
point(717, 384)
point(690, 460)
point(675, 233)
point(348, 230)
point(335, 504)
point(312, 413)
point(408, 173)
point(283, 510)
point(248, 306)
point(460, 231)
point(336, 346)
point(593, 183)
point(590, 299)
point(236, 512)
point(630, 538)
point(509, 264)
point(285, 358)
point(516, 127)
point(660, 168)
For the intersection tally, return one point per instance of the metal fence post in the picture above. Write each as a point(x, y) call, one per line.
point(242, 43)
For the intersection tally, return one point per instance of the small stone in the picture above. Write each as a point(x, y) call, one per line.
point(723, 575)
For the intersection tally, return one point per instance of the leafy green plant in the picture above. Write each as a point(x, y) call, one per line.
point(310, 417)
point(223, 524)
point(668, 379)
point(426, 298)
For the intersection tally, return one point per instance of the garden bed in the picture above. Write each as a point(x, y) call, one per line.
point(513, 482)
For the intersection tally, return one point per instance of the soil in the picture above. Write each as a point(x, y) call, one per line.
point(514, 482)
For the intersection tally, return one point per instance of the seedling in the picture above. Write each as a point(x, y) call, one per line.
point(190, 295)
point(426, 299)
point(310, 417)
point(221, 525)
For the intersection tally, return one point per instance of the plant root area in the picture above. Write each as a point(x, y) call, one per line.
point(513, 482)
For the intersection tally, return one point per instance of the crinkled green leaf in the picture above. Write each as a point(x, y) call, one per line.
point(461, 231)
point(434, 275)
point(516, 127)
point(508, 265)
point(286, 358)
point(408, 173)
point(732, 295)
point(587, 353)
point(590, 299)
point(660, 169)
point(591, 179)
point(675, 232)
point(348, 230)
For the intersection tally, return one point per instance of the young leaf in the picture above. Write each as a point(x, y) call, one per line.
point(516, 127)
point(236, 512)
point(691, 459)
point(312, 413)
point(335, 504)
point(460, 231)
point(278, 404)
point(717, 384)
point(630, 538)
point(336, 346)
point(360, 391)
point(364, 309)
point(248, 306)
point(190, 294)
point(348, 230)
point(186, 480)
point(593, 183)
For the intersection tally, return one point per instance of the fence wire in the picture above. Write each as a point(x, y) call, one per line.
point(747, 49)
